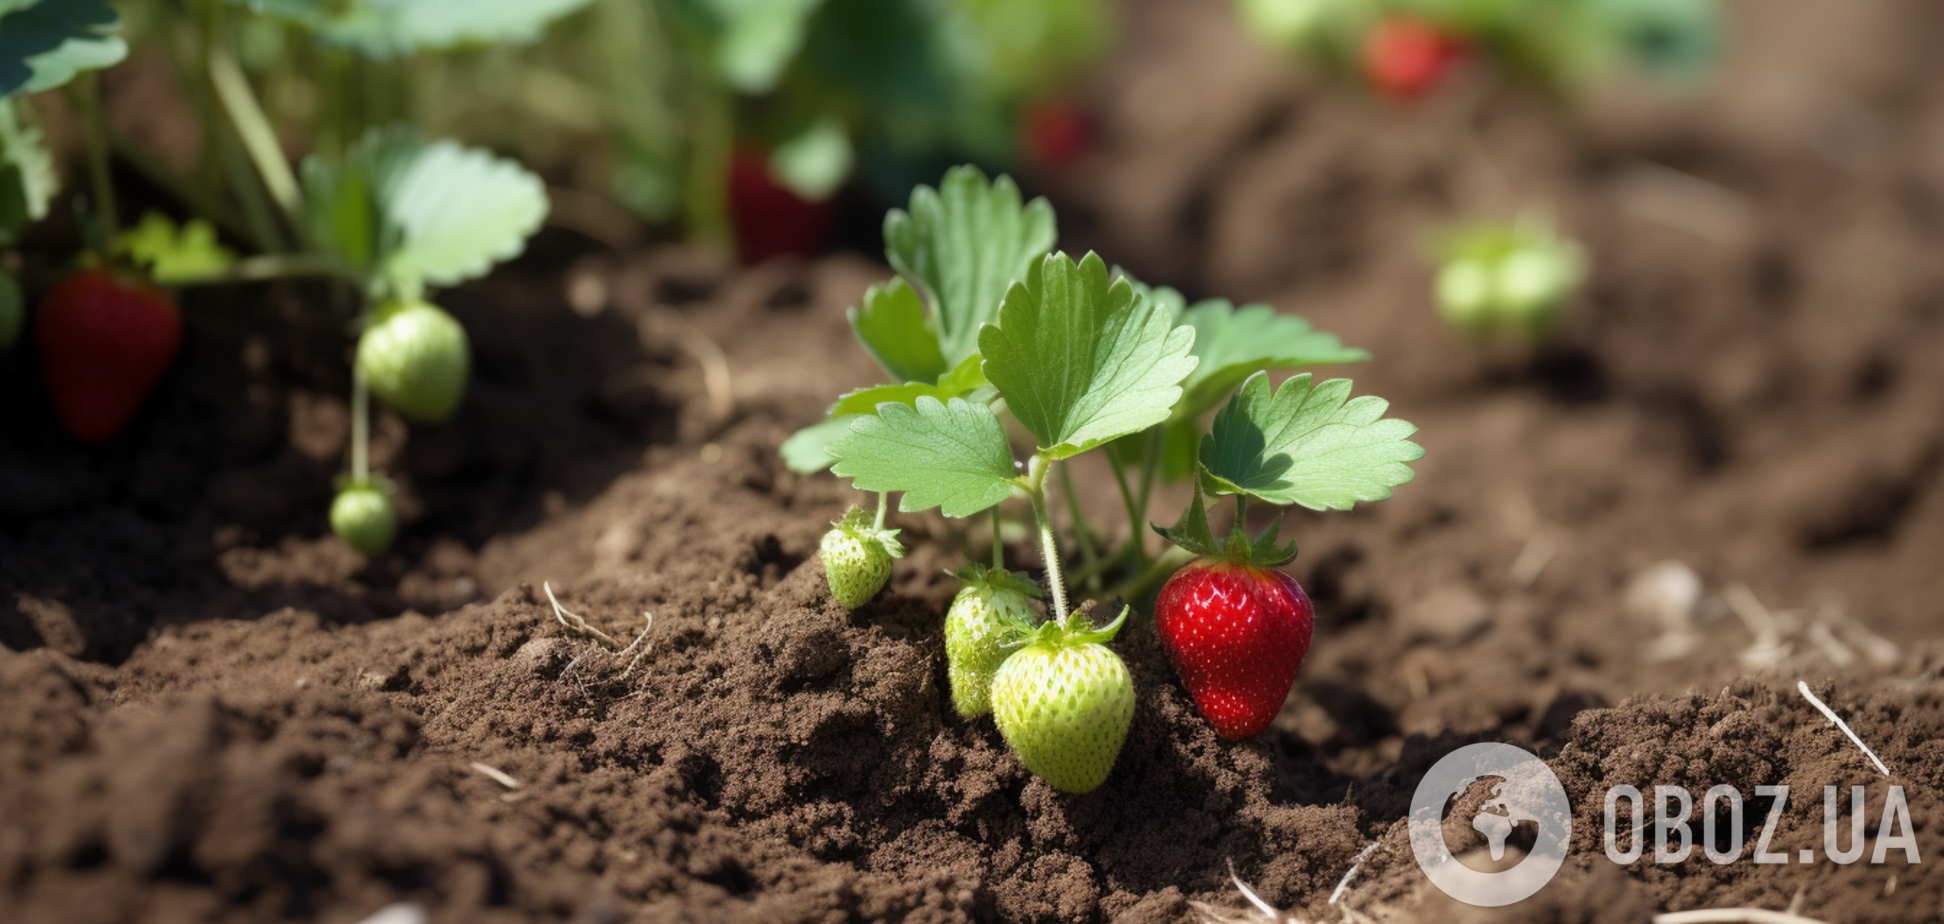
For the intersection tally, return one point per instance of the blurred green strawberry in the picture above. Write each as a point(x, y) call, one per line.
point(363, 517)
point(990, 614)
point(1064, 703)
point(415, 357)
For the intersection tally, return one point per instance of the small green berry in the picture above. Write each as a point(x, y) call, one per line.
point(1064, 704)
point(991, 613)
point(363, 517)
point(1532, 283)
point(1464, 291)
point(857, 558)
point(415, 358)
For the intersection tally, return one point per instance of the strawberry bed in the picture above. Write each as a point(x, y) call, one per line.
point(212, 709)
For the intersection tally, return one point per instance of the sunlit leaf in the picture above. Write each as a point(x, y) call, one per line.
point(391, 28)
point(951, 455)
point(1307, 444)
point(1080, 361)
point(965, 243)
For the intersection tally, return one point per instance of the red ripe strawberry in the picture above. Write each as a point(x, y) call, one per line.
point(1236, 634)
point(1056, 134)
point(104, 342)
point(1234, 626)
point(1404, 56)
point(770, 220)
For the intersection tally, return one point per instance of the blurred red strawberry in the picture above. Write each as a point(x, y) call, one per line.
point(1056, 134)
point(1405, 56)
point(104, 342)
point(768, 219)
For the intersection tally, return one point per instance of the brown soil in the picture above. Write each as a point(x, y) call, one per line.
point(211, 710)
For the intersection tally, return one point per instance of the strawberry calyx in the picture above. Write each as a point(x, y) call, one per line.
point(1076, 631)
point(861, 525)
point(1194, 535)
point(978, 576)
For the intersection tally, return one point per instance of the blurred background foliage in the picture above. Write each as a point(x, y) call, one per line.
point(723, 121)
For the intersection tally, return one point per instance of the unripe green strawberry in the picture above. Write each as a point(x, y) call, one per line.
point(1464, 291)
point(1064, 703)
point(990, 614)
point(362, 516)
point(415, 358)
point(857, 558)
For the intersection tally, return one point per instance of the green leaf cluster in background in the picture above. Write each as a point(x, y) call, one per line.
point(27, 179)
point(394, 28)
point(410, 212)
point(175, 255)
point(44, 43)
point(750, 42)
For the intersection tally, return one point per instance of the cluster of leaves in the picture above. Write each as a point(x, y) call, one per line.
point(1559, 44)
point(984, 319)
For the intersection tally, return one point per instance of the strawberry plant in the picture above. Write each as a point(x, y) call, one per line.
point(985, 319)
point(390, 215)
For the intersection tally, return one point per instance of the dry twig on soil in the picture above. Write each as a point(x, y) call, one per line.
point(577, 625)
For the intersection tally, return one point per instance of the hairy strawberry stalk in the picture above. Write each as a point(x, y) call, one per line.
point(1049, 547)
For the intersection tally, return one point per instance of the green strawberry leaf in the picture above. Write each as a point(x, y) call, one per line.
point(27, 178)
point(416, 213)
point(866, 400)
point(751, 42)
point(1235, 343)
point(44, 43)
point(807, 451)
point(1307, 444)
point(459, 210)
point(392, 28)
point(964, 244)
point(951, 455)
point(966, 381)
point(175, 255)
point(1080, 361)
point(892, 326)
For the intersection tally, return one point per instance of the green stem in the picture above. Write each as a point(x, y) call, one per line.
point(360, 426)
point(280, 266)
point(87, 93)
point(710, 149)
point(259, 138)
point(998, 545)
point(884, 503)
point(1136, 546)
point(1150, 462)
point(1036, 490)
point(1163, 565)
point(1081, 532)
